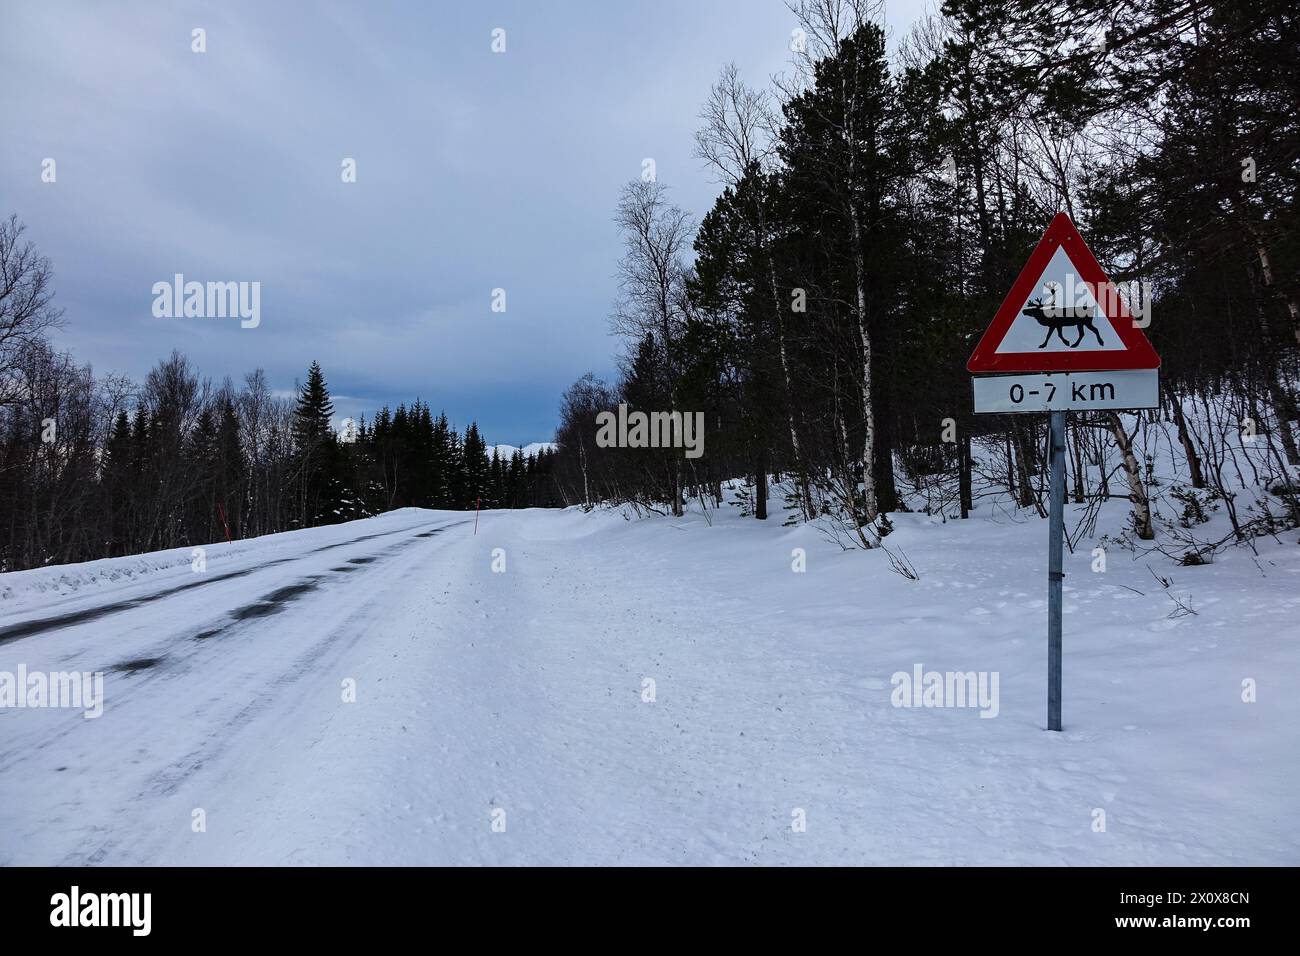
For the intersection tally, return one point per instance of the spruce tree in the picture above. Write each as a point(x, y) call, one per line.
point(320, 488)
point(115, 484)
point(475, 468)
point(231, 471)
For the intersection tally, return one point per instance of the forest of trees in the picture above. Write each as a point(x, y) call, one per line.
point(100, 467)
point(875, 210)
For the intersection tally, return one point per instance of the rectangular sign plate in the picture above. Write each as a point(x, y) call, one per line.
point(1067, 391)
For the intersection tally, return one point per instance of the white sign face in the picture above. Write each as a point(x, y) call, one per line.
point(1067, 391)
point(1062, 314)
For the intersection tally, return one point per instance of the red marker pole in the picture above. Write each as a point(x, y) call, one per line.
point(477, 501)
point(221, 512)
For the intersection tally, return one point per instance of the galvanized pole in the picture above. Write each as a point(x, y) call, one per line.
point(1055, 532)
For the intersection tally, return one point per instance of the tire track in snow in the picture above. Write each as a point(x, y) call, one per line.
point(177, 655)
point(23, 629)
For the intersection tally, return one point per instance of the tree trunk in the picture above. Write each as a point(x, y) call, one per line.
point(964, 475)
point(1266, 270)
point(1076, 454)
point(1185, 439)
point(1024, 470)
point(1284, 407)
point(869, 506)
point(1137, 491)
point(805, 492)
point(1011, 466)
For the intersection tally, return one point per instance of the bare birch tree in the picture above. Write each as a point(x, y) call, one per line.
point(652, 278)
point(737, 139)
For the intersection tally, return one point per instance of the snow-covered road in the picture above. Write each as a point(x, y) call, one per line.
point(218, 681)
point(503, 712)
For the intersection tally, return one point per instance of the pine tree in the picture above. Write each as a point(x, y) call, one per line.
point(200, 458)
point(311, 417)
point(474, 468)
point(496, 481)
point(446, 465)
point(320, 488)
point(426, 465)
point(517, 481)
point(116, 485)
point(230, 467)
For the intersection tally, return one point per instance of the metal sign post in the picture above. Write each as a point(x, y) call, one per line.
point(1055, 574)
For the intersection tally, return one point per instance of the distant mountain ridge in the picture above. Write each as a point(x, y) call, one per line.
point(508, 451)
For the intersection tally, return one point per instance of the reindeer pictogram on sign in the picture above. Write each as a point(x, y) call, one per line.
point(1055, 318)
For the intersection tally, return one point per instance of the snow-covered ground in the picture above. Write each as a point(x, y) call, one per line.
point(502, 716)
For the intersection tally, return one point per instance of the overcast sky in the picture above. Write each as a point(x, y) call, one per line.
point(475, 171)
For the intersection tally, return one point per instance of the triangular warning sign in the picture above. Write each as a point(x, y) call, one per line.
point(1062, 315)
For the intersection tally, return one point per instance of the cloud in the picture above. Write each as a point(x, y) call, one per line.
point(475, 171)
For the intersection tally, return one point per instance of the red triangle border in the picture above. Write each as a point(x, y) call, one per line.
point(1061, 233)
